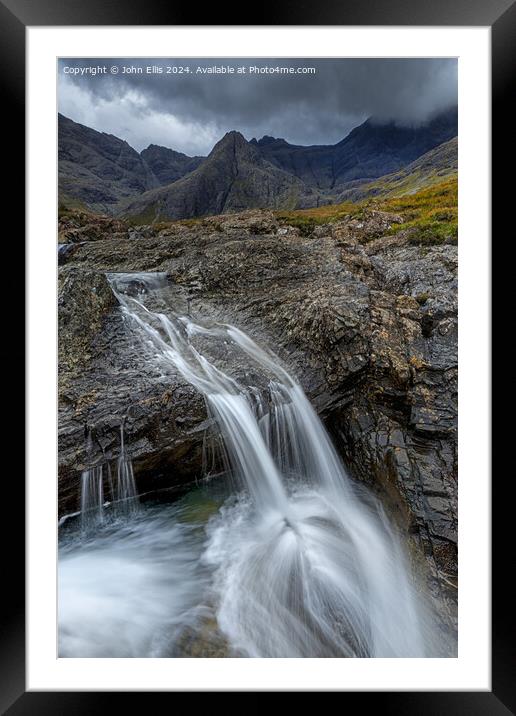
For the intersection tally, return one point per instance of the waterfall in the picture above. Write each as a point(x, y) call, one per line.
point(98, 491)
point(126, 495)
point(305, 562)
point(92, 496)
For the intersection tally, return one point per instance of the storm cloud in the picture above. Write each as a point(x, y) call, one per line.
point(190, 111)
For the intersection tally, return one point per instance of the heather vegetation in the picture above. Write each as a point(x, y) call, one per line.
point(428, 216)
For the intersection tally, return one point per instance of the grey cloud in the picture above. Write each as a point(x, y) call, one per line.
point(189, 112)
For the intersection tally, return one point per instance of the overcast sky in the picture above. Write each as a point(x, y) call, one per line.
point(191, 111)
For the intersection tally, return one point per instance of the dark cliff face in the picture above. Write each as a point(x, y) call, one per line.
point(167, 165)
point(313, 165)
point(233, 177)
point(99, 169)
point(369, 151)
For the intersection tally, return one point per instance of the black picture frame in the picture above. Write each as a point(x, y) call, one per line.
point(15, 16)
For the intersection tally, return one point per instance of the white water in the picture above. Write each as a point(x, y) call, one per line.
point(132, 589)
point(92, 496)
point(97, 486)
point(126, 495)
point(302, 563)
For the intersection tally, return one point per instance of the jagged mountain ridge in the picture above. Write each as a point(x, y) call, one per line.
point(99, 169)
point(233, 177)
point(106, 174)
point(168, 165)
point(369, 151)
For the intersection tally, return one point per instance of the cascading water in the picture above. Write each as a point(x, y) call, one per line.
point(92, 496)
point(127, 500)
point(98, 490)
point(92, 490)
point(303, 562)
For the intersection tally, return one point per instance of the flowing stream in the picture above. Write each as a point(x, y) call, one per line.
point(294, 560)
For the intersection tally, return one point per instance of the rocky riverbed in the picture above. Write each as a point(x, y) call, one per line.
point(365, 320)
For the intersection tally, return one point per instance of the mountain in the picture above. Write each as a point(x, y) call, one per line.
point(313, 165)
point(168, 165)
point(99, 169)
point(431, 168)
point(234, 176)
point(105, 174)
point(369, 151)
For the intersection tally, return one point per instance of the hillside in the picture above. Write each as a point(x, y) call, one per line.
point(99, 169)
point(167, 165)
point(428, 216)
point(432, 168)
point(369, 151)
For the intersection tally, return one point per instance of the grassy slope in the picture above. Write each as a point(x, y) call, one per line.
point(67, 205)
point(430, 215)
point(434, 167)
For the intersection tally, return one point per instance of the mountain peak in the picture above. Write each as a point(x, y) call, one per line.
point(167, 164)
point(234, 136)
point(232, 142)
point(159, 148)
point(267, 140)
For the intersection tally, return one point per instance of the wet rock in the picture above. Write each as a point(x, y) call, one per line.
point(64, 252)
point(106, 375)
point(368, 328)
